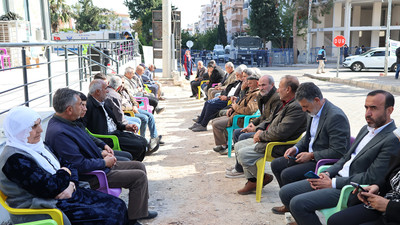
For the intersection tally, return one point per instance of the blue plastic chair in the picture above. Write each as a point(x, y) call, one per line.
point(236, 126)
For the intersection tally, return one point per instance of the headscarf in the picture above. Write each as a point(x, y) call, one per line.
point(17, 126)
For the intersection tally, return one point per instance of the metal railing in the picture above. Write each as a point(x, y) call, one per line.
point(63, 64)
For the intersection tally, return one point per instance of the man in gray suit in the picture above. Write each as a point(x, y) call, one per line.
point(365, 162)
point(327, 137)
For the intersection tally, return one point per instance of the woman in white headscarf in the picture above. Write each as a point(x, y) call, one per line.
point(33, 177)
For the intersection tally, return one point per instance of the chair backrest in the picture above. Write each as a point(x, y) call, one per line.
point(103, 182)
point(3, 51)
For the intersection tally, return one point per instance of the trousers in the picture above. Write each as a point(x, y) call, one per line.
point(210, 110)
point(134, 144)
point(147, 119)
point(287, 171)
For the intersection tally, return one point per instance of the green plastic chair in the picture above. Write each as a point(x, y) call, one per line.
point(344, 197)
point(40, 222)
point(114, 139)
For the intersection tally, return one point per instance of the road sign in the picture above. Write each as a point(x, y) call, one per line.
point(339, 41)
point(189, 44)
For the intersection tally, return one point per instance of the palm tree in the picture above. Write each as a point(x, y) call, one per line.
point(59, 12)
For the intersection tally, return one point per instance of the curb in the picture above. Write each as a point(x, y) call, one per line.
point(355, 83)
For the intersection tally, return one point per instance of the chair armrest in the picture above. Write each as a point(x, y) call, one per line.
point(247, 119)
point(324, 162)
point(112, 137)
point(129, 113)
point(322, 169)
point(101, 176)
point(204, 81)
point(268, 150)
point(344, 197)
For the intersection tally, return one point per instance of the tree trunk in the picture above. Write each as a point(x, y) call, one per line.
point(295, 32)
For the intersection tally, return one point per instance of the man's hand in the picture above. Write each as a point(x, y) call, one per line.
point(229, 112)
point(104, 153)
point(109, 149)
point(196, 79)
point(373, 189)
point(256, 137)
point(377, 202)
point(223, 97)
point(303, 157)
point(110, 160)
point(249, 128)
point(320, 183)
point(67, 193)
point(131, 127)
point(290, 151)
point(135, 110)
point(233, 99)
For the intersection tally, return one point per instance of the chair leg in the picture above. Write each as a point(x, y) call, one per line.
point(9, 62)
point(199, 92)
point(230, 131)
point(2, 62)
point(260, 178)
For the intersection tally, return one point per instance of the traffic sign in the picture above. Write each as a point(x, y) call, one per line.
point(189, 44)
point(339, 41)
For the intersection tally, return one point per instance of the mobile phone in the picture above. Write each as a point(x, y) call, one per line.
point(291, 157)
point(358, 187)
point(311, 175)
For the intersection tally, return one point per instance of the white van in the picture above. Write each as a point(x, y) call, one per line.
point(372, 59)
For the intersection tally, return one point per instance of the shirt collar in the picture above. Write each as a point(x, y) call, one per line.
point(376, 131)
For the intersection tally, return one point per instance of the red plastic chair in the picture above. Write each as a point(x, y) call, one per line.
point(4, 55)
point(101, 176)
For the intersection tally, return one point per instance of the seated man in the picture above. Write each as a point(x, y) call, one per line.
point(215, 73)
point(327, 137)
point(114, 101)
point(135, 89)
point(151, 82)
point(229, 78)
point(211, 107)
point(100, 119)
point(246, 106)
point(288, 125)
point(200, 75)
point(74, 144)
point(365, 163)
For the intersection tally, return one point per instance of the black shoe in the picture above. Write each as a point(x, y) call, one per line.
point(160, 110)
point(205, 99)
point(134, 222)
point(219, 148)
point(196, 120)
point(192, 96)
point(199, 128)
point(151, 215)
point(194, 125)
point(159, 140)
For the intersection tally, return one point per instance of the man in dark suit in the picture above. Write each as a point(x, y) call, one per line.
point(327, 137)
point(289, 124)
point(100, 119)
point(365, 162)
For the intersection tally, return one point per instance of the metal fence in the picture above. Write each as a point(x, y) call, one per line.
point(57, 65)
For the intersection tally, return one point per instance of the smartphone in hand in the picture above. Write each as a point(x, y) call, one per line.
point(358, 187)
point(311, 175)
point(291, 157)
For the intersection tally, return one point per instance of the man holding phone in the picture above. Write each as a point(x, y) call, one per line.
point(327, 137)
point(365, 162)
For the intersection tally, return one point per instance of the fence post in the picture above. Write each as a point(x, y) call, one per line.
point(90, 62)
point(80, 66)
point(66, 66)
point(48, 55)
point(25, 76)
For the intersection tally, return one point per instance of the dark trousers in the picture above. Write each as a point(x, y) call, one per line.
point(397, 71)
point(210, 110)
point(287, 171)
point(129, 142)
point(356, 215)
point(238, 135)
point(194, 84)
point(123, 156)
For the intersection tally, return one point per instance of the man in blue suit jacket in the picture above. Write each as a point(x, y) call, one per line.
point(365, 162)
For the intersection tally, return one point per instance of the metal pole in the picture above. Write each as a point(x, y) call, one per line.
point(25, 77)
point(388, 35)
point(308, 32)
point(48, 54)
point(90, 62)
point(66, 65)
point(166, 38)
point(337, 65)
point(80, 66)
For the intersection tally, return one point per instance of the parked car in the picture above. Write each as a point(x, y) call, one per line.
point(372, 59)
point(219, 55)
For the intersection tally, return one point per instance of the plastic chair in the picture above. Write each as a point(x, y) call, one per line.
point(131, 114)
point(199, 88)
point(55, 214)
point(114, 139)
point(146, 88)
point(40, 222)
point(235, 126)
point(144, 104)
point(5, 55)
point(268, 157)
point(101, 176)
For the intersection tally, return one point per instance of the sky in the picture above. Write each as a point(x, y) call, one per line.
point(190, 9)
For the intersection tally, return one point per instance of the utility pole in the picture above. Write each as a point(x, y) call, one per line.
point(388, 21)
point(166, 39)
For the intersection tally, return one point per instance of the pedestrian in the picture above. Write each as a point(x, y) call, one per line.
point(266, 57)
point(398, 63)
point(345, 51)
point(260, 55)
point(363, 49)
point(321, 58)
point(358, 50)
point(188, 63)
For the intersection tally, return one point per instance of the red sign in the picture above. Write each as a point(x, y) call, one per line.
point(339, 41)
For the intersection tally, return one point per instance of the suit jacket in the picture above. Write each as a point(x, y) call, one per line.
point(216, 76)
point(372, 161)
point(289, 124)
point(332, 138)
point(114, 101)
point(95, 119)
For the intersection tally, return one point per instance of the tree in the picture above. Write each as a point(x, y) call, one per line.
point(221, 38)
point(88, 17)
point(140, 8)
point(264, 19)
point(59, 11)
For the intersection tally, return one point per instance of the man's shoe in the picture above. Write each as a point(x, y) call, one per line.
point(161, 98)
point(280, 210)
point(151, 215)
point(248, 188)
point(154, 145)
point(134, 222)
point(267, 179)
point(234, 174)
point(219, 148)
point(199, 128)
point(205, 99)
point(224, 152)
point(196, 120)
point(159, 110)
point(159, 140)
point(229, 169)
point(323, 72)
point(192, 96)
point(194, 125)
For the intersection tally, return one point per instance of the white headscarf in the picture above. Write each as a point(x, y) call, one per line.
point(17, 126)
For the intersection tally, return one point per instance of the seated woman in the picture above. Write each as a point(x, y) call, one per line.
point(32, 177)
point(381, 202)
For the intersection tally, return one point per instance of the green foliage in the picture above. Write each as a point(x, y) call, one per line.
point(67, 30)
point(264, 19)
point(58, 11)
point(221, 37)
point(88, 16)
point(140, 8)
point(201, 41)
